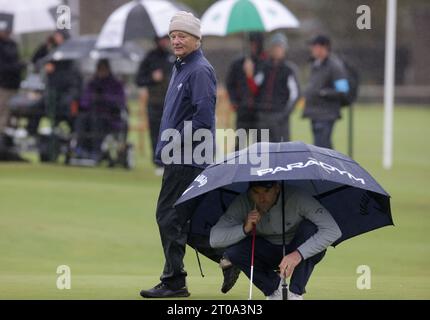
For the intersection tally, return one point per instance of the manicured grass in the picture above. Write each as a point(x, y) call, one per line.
point(101, 223)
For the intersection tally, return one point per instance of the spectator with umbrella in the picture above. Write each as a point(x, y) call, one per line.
point(277, 92)
point(153, 79)
point(43, 57)
point(252, 18)
point(56, 39)
point(63, 89)
point(10, 78)
point(241, 96)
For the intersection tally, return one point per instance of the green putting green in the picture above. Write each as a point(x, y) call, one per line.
point(101, 223)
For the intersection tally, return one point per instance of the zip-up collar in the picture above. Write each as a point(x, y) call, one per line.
point(180, 63)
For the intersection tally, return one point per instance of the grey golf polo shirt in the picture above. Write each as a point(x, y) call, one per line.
point(298, 206)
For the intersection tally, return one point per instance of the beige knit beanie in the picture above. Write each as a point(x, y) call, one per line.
point(185, 21)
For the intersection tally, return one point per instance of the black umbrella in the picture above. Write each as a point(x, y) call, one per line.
point(74, 48)
point(85, 47)
point(124, 59)
point(352, 196)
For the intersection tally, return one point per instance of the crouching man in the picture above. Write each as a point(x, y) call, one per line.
point(309, 230)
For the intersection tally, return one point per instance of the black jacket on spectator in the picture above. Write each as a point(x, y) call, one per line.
point(156, 59)
point(10, 67)
point(241, 96)
point(63, 87)
point(279, 90)
point(39, 57)
point(237, 87)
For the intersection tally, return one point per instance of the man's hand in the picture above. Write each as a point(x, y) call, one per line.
point(157, 75)
point(248, 68)
point(252, 220)
point(288, 263)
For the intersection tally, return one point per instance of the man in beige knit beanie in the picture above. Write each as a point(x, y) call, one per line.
point(189, 103)
point(185, 34)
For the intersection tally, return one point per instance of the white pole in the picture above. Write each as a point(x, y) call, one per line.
point(390, 61)
point(251, 279)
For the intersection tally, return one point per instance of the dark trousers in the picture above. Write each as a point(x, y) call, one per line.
point(277, 123)
point(202, 245)
point(322, 131)
point(246, 119)
point(173, 221)
point(268, 256)
point(155, 112)
point(285, 125)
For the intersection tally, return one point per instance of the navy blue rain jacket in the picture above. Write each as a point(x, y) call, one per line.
point(191, 96)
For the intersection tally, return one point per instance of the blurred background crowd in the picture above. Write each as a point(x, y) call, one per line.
point(75, 82)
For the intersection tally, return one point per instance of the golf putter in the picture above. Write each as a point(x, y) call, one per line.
point(252, 258)
point(284, 278)
point(284, 288)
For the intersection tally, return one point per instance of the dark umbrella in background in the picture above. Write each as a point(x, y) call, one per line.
point(73, 49)
point(124, 59)
point(353, 197)
point(136, 20)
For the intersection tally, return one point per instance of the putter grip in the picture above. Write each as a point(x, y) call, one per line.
point(284, 292)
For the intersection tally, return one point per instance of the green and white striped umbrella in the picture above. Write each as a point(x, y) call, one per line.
point(229, 16)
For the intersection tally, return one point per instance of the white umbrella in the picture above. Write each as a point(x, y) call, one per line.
point(229, 16)
point(138, 19)
point(29, 16)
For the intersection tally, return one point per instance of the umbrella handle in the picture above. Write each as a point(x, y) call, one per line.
point(284, 289)
point(284, 279)
point(252, 263)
